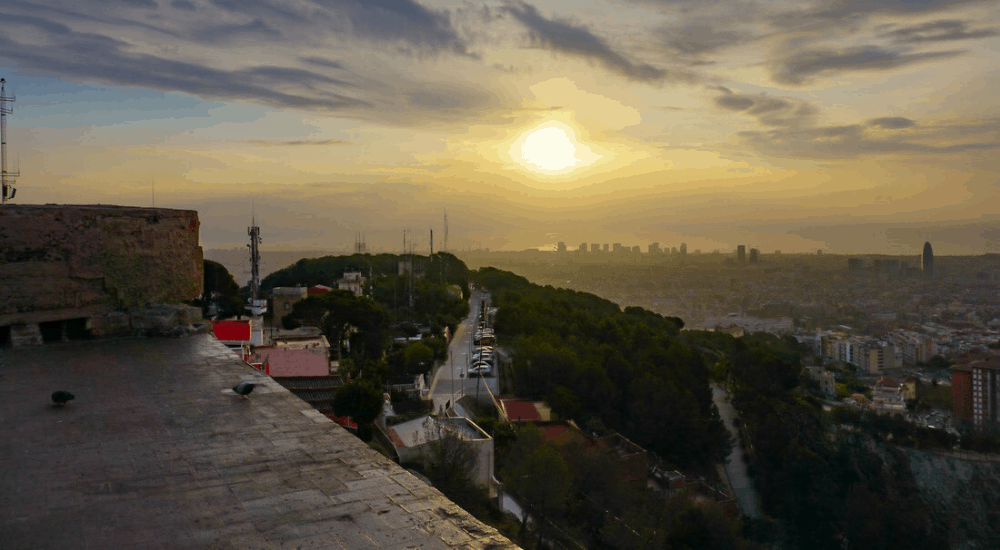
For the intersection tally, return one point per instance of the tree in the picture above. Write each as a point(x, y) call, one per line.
point(543, 481)
point(360, 400)
point(337, 311)
point(221, 288)
point(418, 358)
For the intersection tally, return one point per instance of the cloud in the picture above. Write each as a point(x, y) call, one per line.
point(701, 37)
point(384, 92)
point(254, 30)
point(849, 8)
point(768, 110)
point(891, 122)
point(296, 143)
point(942, 30)
point(105, 59)
point(795, 133)
point(577, 40)
point(854, 140)
point(801, 67)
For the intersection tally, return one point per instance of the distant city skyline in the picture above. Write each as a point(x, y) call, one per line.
point(853, 127)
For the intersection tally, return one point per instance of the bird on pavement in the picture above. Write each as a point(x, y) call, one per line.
point(244, 389)
point(61, 397)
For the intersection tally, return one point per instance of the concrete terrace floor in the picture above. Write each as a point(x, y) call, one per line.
point(156, 451)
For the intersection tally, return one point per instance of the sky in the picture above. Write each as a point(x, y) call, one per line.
point(852, 126)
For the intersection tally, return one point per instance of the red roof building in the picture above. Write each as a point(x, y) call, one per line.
point(318, 289)
point(513, 409)
point(286, 362)
point(232, 333)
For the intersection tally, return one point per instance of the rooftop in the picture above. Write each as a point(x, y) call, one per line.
point(156, 451)
point(428, 428)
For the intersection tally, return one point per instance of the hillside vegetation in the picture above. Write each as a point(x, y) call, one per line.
point(627, 370)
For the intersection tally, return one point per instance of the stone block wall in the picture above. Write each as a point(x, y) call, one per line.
point(60, 262)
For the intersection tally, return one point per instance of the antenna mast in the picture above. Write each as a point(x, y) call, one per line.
point(7, 191)
point(445, 248)
point(254, 233)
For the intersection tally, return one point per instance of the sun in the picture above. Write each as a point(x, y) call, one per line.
point(549, 149)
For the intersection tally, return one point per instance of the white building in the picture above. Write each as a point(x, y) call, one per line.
point(352, 281)
point(414, 441)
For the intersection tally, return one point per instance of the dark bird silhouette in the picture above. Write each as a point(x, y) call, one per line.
point(60, 397)
point(244, 389)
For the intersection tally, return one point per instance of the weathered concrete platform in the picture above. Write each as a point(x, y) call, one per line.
point(156, 451)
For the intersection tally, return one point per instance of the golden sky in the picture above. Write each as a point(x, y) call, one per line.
point(849, 125)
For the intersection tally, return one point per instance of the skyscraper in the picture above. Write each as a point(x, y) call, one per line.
point(741, 254)
point(927, 261)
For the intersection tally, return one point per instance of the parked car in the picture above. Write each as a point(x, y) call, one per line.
point(484, 340)
point(480, 368)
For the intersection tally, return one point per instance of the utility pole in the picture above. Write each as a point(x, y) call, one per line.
point(7, 191)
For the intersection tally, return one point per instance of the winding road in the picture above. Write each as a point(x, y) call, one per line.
point(736, 468)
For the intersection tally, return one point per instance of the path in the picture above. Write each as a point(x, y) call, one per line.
point(736, 468)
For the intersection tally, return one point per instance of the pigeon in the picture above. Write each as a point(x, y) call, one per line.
point(60, 397)
point(244, 389)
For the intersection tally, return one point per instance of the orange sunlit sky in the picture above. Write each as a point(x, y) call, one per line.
point(848, 125)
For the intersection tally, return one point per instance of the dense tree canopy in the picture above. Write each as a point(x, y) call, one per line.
point(589, 359)
point(362, 401)
point(339, 313)
point(222, 290)
point(828, 488)
point(439, 288)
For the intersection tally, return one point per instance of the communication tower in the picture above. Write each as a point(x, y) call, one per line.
point(7, 191)
point(254, 233)
point(360, 246)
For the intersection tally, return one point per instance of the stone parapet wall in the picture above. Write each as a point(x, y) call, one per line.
point(62, 262)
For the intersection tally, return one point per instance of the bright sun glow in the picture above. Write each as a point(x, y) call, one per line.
point(549, 149)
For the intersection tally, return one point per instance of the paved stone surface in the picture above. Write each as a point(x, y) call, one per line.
point(156, 451)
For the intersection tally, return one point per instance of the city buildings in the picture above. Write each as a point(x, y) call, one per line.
point(976, 389)
point(927, 261)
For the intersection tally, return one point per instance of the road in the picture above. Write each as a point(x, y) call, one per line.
point(736, 468)
point(451, 381)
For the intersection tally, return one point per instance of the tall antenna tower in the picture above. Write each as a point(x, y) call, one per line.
point(445, 249)
point(360, 246)
point(7, 191)
point(432, 242)
point(254, 233)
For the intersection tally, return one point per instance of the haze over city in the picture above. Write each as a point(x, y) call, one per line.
point(849, 126)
